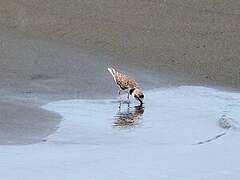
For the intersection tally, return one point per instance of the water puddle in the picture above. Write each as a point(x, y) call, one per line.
point(179, 116)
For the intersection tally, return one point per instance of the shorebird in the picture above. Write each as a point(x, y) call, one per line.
point(124, 82)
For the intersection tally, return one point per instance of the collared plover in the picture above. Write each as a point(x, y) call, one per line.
point(126, 83)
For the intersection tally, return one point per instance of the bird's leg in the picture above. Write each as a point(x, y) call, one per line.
point(128, 97)
point(119, 107)
point(119, 93)
point(128, 106)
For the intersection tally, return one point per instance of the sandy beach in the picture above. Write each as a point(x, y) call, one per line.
point(59, 50)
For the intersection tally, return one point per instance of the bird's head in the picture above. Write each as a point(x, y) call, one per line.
point(137, 94)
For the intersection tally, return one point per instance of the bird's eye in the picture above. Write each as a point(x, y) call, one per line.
point(141, 96)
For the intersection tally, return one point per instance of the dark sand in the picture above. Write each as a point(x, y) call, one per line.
point(24, 124)
point(51, 50)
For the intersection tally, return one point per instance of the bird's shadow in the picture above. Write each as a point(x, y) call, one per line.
point(128, 117)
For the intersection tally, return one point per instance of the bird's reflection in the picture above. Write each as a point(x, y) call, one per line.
point(128, 117)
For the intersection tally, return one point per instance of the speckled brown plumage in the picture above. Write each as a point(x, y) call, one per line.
point(123, 81)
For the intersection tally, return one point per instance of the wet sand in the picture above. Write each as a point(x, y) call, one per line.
point(60, 50)
point(186, 39)
point(23, 123)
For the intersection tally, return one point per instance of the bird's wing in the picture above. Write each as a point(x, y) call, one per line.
point(122, 80)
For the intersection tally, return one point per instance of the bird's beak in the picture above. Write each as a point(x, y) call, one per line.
point(140, 100)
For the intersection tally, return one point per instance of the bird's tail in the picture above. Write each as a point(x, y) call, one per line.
point(112, 72)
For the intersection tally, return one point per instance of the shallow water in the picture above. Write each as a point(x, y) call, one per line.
point(180, 116)
point(175, 135)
